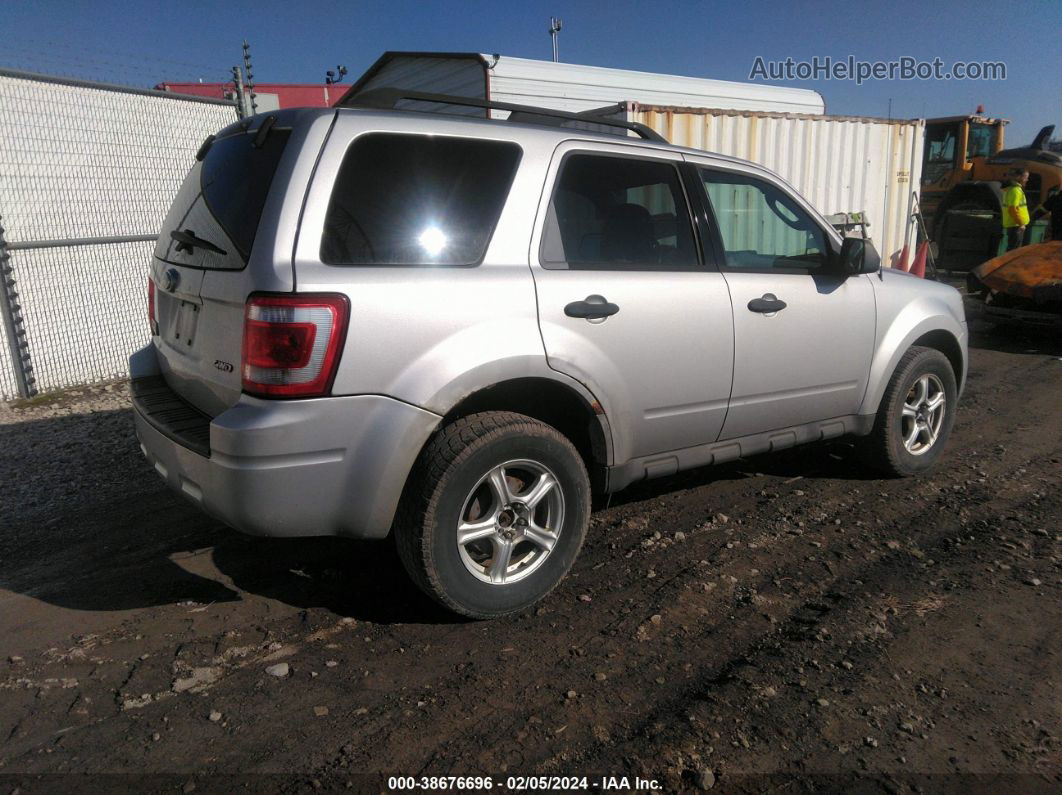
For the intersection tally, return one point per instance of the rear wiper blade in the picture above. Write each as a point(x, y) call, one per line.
point(188, 241)
point(263, 132)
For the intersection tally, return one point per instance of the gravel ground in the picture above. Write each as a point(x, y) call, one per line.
point(62, 453)
point(786, 622)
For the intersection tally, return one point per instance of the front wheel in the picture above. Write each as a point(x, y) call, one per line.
point(494, 514)
point(916, 414)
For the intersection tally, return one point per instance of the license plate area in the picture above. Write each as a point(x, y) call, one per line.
point(185, 323)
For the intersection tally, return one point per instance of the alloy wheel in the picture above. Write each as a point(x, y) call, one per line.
point(510, 521)
point(923, 414)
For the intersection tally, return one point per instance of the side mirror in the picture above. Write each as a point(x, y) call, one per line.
point(858, 255)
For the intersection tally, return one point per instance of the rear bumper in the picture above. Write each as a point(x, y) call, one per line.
point(327, 466)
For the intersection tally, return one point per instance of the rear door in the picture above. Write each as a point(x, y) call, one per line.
point(803, 333)
point(200, 267)
point(625, 304)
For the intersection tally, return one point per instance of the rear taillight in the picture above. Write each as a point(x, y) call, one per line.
point(292, 344)
point(152, 323)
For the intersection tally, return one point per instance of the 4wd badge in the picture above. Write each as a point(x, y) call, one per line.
point(225, 367)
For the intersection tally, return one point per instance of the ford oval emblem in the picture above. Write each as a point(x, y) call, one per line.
point(170, 280)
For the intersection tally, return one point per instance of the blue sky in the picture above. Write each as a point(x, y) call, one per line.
point(143, 43)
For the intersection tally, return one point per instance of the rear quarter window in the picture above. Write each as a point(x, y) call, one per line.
point(417, 200)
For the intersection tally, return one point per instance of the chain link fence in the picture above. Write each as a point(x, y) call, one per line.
point(87, 173)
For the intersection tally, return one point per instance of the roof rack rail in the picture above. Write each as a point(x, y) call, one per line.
point(387, 98)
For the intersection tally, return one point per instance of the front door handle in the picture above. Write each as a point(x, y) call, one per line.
point(595, 307)
point(769, 303)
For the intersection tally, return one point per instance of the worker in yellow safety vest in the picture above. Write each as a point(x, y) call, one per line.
point(1015, 208)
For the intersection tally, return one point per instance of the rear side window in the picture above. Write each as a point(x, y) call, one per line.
point(417, 200)
point(235, 181)
point(618, 213)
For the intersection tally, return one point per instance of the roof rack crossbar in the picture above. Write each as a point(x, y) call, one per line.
point(386, 99)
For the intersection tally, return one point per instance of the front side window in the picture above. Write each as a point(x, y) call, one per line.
point(940, 145)
point(417, 200)
point(762, 228)
point(618, 213)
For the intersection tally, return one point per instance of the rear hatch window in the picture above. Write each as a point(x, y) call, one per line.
point(417, 200)
point(214, 220)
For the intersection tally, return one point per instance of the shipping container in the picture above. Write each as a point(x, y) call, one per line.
point(572, 87)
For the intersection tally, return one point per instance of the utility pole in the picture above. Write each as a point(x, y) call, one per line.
point(14, 326)
point(241, 100)
point(250, 75)
point(554, 28)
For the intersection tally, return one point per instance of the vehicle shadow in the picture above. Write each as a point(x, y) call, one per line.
point(358, 579)
point(102, 533)
point(108, 536)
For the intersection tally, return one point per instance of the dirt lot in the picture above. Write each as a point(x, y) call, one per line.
point(774, 624)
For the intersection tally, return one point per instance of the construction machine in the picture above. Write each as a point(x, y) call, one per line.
point(964, 170)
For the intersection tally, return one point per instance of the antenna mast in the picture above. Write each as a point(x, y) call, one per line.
point(555, 28)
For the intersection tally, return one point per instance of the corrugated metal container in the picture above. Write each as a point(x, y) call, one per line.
point(838, 163)
point(573, 87)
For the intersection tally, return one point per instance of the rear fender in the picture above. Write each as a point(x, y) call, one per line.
point(483, 375)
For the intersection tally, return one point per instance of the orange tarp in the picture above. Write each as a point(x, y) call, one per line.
point(1030, 272)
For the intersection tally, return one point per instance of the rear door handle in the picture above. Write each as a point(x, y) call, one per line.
point(594, 307)
point(769, 303)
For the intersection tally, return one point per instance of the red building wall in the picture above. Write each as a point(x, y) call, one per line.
point(288, 95)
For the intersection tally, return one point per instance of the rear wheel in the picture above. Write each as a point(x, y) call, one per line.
point(915, 416)
point(494, 515)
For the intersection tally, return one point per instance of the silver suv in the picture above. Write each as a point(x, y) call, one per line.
point(453, 330)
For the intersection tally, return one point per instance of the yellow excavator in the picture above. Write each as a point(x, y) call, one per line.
point(964, 168)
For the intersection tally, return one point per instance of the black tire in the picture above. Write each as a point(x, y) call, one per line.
point(450, 476)
point(885, 449)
